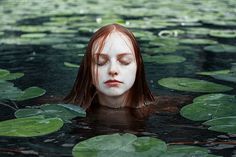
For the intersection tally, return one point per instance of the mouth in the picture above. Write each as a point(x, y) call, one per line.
point(112, 83)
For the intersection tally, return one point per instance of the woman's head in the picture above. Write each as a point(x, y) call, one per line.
point(112, 66)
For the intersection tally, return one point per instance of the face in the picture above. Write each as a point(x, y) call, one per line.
point(114, 68)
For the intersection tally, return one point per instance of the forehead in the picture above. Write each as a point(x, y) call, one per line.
point(116, 42)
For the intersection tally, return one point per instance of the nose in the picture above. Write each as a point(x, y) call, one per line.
point(113, 69)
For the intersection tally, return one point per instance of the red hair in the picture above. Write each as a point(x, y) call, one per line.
point(84, 92)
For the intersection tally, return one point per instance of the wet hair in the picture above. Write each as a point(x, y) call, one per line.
point(84, 92)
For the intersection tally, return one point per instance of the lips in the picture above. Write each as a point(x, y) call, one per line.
point(112, 81)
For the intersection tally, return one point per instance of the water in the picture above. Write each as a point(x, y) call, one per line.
point(73, 23)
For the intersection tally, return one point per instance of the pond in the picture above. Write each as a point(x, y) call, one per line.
point(188, 48)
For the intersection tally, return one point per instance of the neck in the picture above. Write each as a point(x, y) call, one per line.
point(112, 101)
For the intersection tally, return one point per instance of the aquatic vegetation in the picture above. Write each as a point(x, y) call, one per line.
point(30, 126)
point(163, 59)
point(221, 48)
point(198, 41)
point(71, 65)
point(66, 112)
point(225, 75)
point(192, 85)
point(223, 33)
point(9, 91)
point(133, 146)
point(223, 124)
point(219, 109)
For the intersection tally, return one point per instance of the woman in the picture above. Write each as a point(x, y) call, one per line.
point(112, 72)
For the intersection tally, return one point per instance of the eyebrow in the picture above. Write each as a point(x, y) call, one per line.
point(119, 55)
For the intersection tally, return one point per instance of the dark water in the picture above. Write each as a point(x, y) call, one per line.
point(43, 66)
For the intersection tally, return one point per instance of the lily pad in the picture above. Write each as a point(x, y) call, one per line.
point(210, 106)
point(68, 46)
point(12, 76)
point(71, 65)
point(221, 48)
point(8, 91)
point(64, 111)
point(231, 77)
point(33, 35)
point(223, 33)
point(3, 73)
point(31, 92)
point(184, 151)
point(210, 73)
point(192, 85)
point(30, 126)
point(198, 41)
point(119, 145)
point(163, 59)
point(223, 124)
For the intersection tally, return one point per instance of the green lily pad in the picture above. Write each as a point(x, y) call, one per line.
point(231, 77)
point(163, 59)
point(119, 145)
point(198, 41)
point(192, 85)
point(184, 151)
point(71, 65)
point(210, 73)
point(12, 76)
point(223, 124)
point(8, 91)
point(223, 33)
point(68, 46)
point(33, 35)
point(4, 73)
point(210, 106)
point(64, 111)
point(221, 48)
point(31, 92)
point(30, 126)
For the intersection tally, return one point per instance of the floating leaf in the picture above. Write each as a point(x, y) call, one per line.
point(163, 59)
point(12, 76)
point(68, 46)
point(198, 41)
point(184, 151)
point(71, 65)
point(64, 111)
point(8, 91)
point(223, 33)
point(31, 92)
point(209, 73)
point(223, 124)
point(3, 73)
point(192, 85)
point(119, 145)
point(221, 48)
point(33, 35)
point(30, 126)
point(210, 106)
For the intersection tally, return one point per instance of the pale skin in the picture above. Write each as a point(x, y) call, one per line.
point(114, 70)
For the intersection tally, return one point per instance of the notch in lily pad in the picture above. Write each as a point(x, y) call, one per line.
point(119, 145)
point(64, 111)
point(31, 92)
